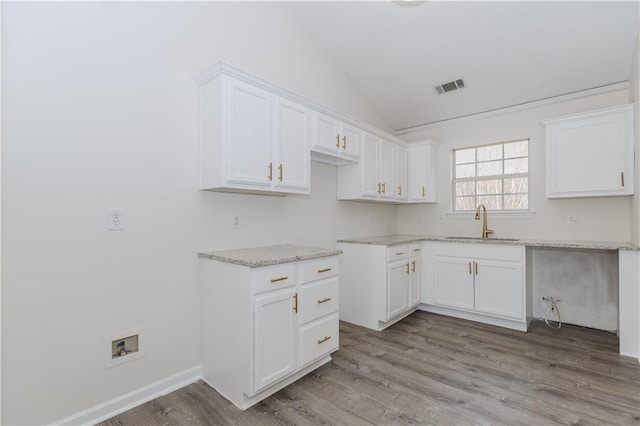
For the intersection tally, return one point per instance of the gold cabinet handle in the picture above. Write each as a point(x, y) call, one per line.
point(323, 270)
point(400, 190)
point(338, 140)
point(324, 339)
point(424, 193)
point(399, 253)
point(280, 169)
point(295, 303)
point(413, 266)
point(384, 187)
point(469, 268)
point(325, 300)
point(622, 178)
point(270, 171)
point(344, 143)
point(379, 186)
point(275, 280)
point(476, 265)
point(416, 249)
point(406, 271)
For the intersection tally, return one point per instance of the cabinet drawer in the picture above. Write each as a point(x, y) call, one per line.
point(319, 339)
point(318, 300)
point(321, 268)
point(397, 252)
point(273, 277)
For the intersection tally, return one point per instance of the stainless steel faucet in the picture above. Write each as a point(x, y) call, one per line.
point(485, 230)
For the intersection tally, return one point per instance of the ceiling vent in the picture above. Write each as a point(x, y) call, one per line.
point(450, 86)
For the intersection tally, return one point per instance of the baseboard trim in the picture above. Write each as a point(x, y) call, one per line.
point(132, 399)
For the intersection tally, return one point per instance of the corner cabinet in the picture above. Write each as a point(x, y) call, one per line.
point(481, 282)
point(379, 285)
point(251, 139)
point(374, 177)
point(334, 141)
point(263, 328)
point(591, 154)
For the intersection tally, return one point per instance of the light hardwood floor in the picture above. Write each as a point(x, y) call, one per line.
point(431, 369)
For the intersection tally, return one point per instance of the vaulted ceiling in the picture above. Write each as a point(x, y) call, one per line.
point(508, 53)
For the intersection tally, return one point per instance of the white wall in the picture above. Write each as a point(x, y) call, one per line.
point(634, 97)
point(604, 219)
point(100, 110)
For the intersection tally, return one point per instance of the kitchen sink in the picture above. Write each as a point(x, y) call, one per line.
point(480, 239)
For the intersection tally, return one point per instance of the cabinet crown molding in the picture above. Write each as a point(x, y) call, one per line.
point(588, 114)
point(225, 68)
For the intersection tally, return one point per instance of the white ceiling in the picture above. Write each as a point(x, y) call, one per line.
point(508, 53)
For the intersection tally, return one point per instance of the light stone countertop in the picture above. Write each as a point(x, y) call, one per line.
point(256, 257)
point(397, 239)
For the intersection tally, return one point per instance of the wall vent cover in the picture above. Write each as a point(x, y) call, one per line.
point(450, 86)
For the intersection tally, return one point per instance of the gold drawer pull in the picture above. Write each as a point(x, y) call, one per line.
point(324, 339)
point(416, 249)
point(270, 171)
point(469, 268)
point(622, 178)
point(275, 280)
point(323, 270)
point(326, 299)
point(400, 253)
point(295, 303)
point(338, 141)
point(344, 142)
point(413, 266)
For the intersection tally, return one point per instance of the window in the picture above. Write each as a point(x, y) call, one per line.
point(495, 175)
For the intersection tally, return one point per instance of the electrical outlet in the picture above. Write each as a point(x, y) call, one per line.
point(236, 222)
point(115, 219)
point(572, 218)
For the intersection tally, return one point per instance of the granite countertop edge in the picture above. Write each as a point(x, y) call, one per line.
point(256, 257)
point(398, 239)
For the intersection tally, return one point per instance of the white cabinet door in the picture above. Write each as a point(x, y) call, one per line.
point(350, 141)
point(422, 172)
point(415, 283)
point(327, 134)
point(369, 166)
point(292, 147)
point(386, 171)
point(274, 337)
point(417, 173)
point(498, 288)
point(453, 282)
point(397, 280)
point(591, 154)
point(401, 169)
point(249, 138)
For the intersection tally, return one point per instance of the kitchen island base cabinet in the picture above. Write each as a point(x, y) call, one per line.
point(485, 283)
point(264, 328)
point(379, 285)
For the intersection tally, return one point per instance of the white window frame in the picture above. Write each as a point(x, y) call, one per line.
point(524, 213)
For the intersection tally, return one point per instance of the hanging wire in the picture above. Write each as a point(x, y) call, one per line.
point(553, 308)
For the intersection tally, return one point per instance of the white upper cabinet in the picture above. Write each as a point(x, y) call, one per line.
point(374, 177)
point(401, 168)
point(591, 154)
point(292, 154)
point(249, 142)
point(251, 139)
point(338, 141)
point(422, 172)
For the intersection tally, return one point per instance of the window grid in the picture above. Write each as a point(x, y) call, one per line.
point(499, 194)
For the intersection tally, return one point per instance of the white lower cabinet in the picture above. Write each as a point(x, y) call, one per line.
point(379, 285)
point(481, 282)
point(264, 328)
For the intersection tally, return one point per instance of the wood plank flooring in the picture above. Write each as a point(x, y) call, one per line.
point(432, 369)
